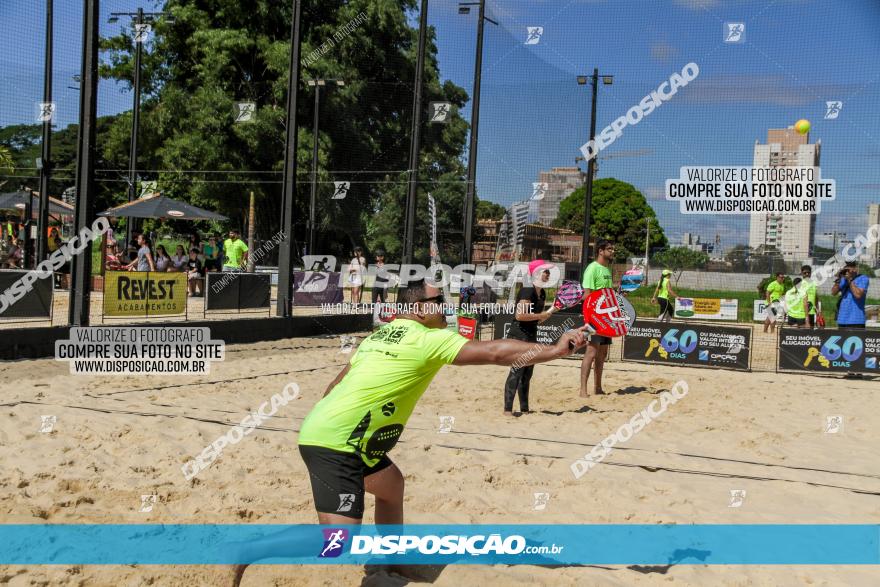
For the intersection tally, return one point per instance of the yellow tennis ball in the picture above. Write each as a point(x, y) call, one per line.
point(802, 126)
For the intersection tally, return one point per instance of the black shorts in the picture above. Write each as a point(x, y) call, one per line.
point(851, 326)
point(212, 264)
point(600, 340)
point(338, 479)
point(796, 321)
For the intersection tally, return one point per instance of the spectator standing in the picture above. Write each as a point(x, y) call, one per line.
point(380, 286)
point(772, 297)
point(853, 290)
point(235, 252)
point(356, 270)
point(143, 261)
point(54, 240)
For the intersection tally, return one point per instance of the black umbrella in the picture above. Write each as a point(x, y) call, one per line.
point(162, 207)
point(18, 201)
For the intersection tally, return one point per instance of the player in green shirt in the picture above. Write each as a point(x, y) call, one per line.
point(773, 311)
point(596, 276)
point(812, 300)
point(661, 296)
point(796, 304)
point(234, 252)
point(345, 439)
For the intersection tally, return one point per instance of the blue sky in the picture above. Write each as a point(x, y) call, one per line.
point(797, 54)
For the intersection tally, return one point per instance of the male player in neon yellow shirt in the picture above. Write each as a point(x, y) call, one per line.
point(345, 439)
point(812, 299)
point(774, 291)
point(597, 275)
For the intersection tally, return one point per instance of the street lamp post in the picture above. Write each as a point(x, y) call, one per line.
point(313, 198)
point(591, 164)
point(139, 18)
point(464, 8)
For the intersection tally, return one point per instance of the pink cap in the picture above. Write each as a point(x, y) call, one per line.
point(535, 264)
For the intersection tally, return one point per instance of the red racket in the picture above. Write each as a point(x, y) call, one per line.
point(608, 313)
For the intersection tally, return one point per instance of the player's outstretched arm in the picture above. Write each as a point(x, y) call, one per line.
point(508, 351)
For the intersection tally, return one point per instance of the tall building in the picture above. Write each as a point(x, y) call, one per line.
point(790, 234)
point(692, 241)
point(560, 182)
point(874, 218)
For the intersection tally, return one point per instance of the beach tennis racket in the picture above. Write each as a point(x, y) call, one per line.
point(632, 280)
point(568, 295)
point(608, 313)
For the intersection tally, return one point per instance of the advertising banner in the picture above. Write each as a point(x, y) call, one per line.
point(237, 291)
point(548, 331)
point(829, 351)
point(144, 293)
point(313, 288)
point(706, 308)
point(35, 303)
point(698, 345)
point(759, 310)
point(467, 326)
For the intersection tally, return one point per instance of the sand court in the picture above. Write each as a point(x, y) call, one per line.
point(113, 440)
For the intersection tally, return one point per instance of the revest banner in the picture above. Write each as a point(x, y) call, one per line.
point(706, 308)
point(829, 351)
point(699, 345)
point(144, 293)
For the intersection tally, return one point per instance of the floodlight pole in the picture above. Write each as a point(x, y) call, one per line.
point(46, 155)
point(470, 196)
point(86, 153)
point(284, 302)
point(588, 187)
point(411, 195)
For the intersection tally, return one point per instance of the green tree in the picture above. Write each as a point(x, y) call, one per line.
point(6, 161)
point(620, 213)
point(221, 52)
point(738, 257)
point(678, 259)
point(487, 210)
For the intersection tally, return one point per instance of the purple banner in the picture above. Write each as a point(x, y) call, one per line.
point(313, 288)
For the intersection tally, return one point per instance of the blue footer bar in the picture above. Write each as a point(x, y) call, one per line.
point(609, 544)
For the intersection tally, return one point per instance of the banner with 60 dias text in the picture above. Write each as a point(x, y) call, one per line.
point(696, 345)
point(829, 351)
